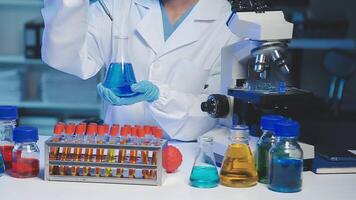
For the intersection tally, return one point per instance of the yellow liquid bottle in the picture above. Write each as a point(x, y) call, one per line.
point(238, 168)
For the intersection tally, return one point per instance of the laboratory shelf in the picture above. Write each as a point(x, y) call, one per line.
point(20, 60)
point(35, 3)
point(54, 106)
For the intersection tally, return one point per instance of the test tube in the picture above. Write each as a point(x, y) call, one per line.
point(114, 131)
point(100, 139)
point(69, 131)
point(54, 151)
point(79, 138)
point(143, 153)
point(122, 152)
point(90, 139)
point(157, 134)
point(133, 153)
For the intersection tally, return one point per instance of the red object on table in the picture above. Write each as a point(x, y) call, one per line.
point(172, 159)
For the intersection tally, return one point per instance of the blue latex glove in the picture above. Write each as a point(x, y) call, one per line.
point(146, 90)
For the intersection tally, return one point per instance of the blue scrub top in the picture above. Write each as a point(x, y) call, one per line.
point(169, 28)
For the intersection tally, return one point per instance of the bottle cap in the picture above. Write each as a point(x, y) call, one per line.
point(92, 128)
point(8, 113)
point(81, 128)
point(25, 134)
point(133, 131)
point(70, 128)
point(268, 121)
point(157, 132)
point(287, 128)
point(114, 130)
point(106, 128)
point(140, 132)
point(148, 129)
point(124, 131)
point(58, 128)
point(101, 130)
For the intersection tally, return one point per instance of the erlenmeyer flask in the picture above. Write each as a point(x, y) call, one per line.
point(204, 173)
point(238, 168)
point(120, 76)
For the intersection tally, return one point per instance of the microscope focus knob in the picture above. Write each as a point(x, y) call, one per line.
point(217, 106)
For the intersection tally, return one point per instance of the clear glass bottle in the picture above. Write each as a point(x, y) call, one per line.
point(25, 163)
point(238, 168)
point(8, 117)
point(286, 159)
point(120, 75)
point(204, 172)
point(264, 144)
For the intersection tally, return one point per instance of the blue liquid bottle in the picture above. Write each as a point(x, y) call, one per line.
point(204, 173)
point(264, 144)
point(286, 159)
point(120, 75)
point(2, 165)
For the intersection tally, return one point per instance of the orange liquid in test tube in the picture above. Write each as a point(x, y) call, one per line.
point(114, 131)
point(77, 155)
point(69, 131)
point(157, 134)
point(100, 139)
point(88, 157)
point(133, 153)
point(54, 151)
point(122, 152)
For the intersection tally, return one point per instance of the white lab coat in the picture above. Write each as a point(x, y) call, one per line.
point(78, 40)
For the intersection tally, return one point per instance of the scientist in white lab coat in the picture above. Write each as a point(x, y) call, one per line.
point(174, 46)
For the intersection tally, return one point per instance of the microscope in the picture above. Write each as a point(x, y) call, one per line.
point(254, 71)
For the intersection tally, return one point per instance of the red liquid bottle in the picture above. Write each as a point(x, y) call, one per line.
point(8, 117)
point(25, 162)
point(54, 151)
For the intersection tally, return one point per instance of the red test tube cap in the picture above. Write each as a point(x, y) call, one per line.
point(106, 128)
point(101, 130)
point(158, 132)
point(124, 131)
point(133, 131)
point(140, 132)
point(58, 128)
point(114, 130)
point(70, 128)
point(81, 128)
point(92, 128)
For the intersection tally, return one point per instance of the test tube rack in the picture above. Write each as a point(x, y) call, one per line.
point(156, 180)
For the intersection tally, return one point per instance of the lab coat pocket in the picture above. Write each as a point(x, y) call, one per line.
point(188, 77)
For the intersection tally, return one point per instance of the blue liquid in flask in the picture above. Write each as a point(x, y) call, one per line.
point(204, 177)
point(119, 79)
point(286, 175)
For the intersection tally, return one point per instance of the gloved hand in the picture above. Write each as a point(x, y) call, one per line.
point(146, 90)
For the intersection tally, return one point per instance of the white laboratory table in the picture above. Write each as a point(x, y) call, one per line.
point(176, 186)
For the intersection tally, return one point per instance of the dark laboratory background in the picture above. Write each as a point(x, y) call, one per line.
point(322, 54)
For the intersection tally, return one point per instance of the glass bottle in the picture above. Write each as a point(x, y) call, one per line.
point(204, 173)
point(120, 76)
point(8, 117)
point(264, 144)
point(286, 163)
point(238, 168)
point(2, 165)
point(25, 163)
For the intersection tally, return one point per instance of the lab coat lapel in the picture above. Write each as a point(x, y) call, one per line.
point(192, 27)
point(150, 28)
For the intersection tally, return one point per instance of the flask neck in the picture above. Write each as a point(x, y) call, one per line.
point(123, 50)
point(287, 140)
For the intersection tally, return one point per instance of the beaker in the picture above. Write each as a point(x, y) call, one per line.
point(120, 75)
point(204, 172)
point(238, 168)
